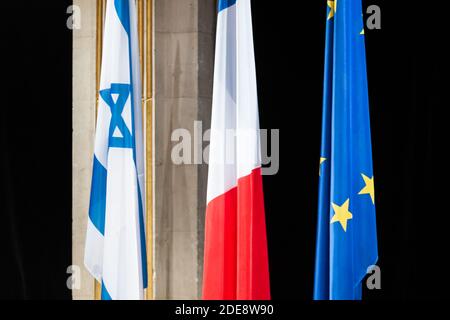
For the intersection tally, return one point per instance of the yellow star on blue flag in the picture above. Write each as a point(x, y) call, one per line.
point(342, 214)
point(332, 10)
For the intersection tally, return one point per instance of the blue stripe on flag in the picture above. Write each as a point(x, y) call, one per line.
point(123, 11)
point(105, 293)
point(143, 244)
point(97, 206)
point(223, 4)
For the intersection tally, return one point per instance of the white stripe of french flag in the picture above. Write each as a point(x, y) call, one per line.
point(236, 258)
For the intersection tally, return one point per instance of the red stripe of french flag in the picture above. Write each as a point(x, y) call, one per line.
point(236, 259)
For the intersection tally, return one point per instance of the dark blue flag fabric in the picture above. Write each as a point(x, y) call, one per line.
point(346, 231)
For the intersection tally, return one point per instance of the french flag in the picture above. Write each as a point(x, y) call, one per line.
point(236, 258)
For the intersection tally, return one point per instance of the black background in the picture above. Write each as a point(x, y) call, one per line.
point(35, 149)
point(408, 85)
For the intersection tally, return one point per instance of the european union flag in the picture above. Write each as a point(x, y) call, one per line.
point(346, 231)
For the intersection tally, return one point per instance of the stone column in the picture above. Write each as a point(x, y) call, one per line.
point(84, 96)
point(184, 49)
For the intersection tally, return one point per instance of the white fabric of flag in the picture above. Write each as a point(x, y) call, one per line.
point(115, 243)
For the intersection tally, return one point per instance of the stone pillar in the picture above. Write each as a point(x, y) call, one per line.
point(84, 97)
point(184, 49)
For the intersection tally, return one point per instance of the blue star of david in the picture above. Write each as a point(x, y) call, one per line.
point(117, 121)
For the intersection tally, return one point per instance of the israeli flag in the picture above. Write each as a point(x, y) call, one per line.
point(115, 243)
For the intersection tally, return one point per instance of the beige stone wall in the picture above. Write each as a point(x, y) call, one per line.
point(184, 38)
point(84, 96)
